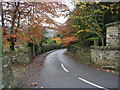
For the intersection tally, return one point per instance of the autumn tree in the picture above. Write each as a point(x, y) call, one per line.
point(89, 18)
point(25, 21)
point(1, 46)
point(67, 34)
point(92, 16)
point(13, 14)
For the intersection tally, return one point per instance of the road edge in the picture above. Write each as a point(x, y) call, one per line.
point(71, 55)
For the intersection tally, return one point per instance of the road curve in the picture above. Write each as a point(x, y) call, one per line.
point(61, 71)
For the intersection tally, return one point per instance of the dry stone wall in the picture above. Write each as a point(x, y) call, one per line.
point(113, 34)
point(109, 54)
point(106, 56)
point(23, 56)
point(8, 79)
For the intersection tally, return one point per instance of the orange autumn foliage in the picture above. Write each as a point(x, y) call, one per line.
point(26, 20)
point(67, 40)
point(57, 39)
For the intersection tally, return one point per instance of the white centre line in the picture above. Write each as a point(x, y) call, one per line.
point(64, 68)
point(92, 84)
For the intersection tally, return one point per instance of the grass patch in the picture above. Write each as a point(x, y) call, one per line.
point(111, 68)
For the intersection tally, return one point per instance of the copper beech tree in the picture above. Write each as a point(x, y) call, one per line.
point(27, 21)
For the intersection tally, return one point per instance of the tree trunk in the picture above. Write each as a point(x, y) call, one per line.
point(1, 45)
point(12, 44)
point(12, 40)
point(102, 40)
point(96, 42)
point(2, 17)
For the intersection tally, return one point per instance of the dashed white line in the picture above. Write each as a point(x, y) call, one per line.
point(93, 84)
point(64, 68)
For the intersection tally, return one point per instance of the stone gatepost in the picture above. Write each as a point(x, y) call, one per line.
point(113, 34)
point(108, 55)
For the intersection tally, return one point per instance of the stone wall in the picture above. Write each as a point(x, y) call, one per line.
point(1, 73)
point(23, 56)
point(81, 52)
point(8, 79)
point(20, 56)
point(105, 56)
point(109, 54)
point(45, 48)
point(113, 34)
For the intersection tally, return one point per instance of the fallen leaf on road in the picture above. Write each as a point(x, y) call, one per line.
point(33, 84)
point(41, 87)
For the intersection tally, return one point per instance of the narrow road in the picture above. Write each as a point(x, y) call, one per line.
point(60, 71)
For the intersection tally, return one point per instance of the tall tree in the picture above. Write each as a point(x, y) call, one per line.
point(1, 25)
point(89, 19)
point(26, 20)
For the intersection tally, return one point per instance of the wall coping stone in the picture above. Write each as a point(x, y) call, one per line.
point(106, 47)
point(112, 24)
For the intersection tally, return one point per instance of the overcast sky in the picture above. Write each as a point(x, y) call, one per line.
point(63, 19)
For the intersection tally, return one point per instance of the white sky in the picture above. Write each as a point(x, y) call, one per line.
point(71, 7)
point(61, 19)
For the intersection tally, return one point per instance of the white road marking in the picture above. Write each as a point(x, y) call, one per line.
point(64, 68)
point(92, 84)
